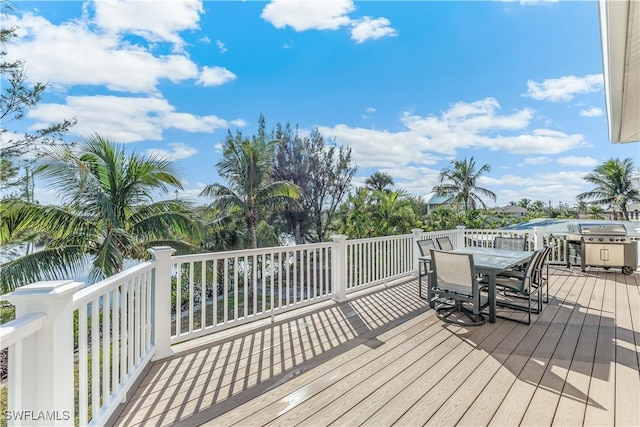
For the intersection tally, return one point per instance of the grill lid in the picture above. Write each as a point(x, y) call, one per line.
point(596, 229)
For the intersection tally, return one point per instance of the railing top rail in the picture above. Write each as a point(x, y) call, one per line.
point(20, 328)
point(89, 293)
point(497, 230)
point(379, 239)
point(247, 252)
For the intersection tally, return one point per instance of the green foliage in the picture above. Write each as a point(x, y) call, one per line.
point(7, 312)
point(446, 218)
point(322, 170)
point(612, 186)
point(379, 181)
point(373, 213)
point(110, 214)
point(252, 192)
point(17, 98)
point(459, 183)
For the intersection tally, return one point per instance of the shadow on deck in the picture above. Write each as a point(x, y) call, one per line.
point(383, 357)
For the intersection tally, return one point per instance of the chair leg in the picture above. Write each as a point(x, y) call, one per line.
point(444, 313)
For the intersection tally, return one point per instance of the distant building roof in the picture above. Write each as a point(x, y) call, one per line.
point(513, 209)
point(434, 199)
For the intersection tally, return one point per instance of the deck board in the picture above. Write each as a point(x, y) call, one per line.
point(384, 358)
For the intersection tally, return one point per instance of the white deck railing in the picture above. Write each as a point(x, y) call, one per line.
point(215, 291)
point(114, 340)
point(378, 260)
point(12, 336)
point(134, 317)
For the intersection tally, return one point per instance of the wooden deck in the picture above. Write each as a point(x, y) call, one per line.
point(384, 358)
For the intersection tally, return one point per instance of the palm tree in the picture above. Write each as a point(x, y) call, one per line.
point(459, 182)
point(596, 212)
point(379, 181)
point(372, 213)
point(248, 167)
point(109, 214)
point(612, 186)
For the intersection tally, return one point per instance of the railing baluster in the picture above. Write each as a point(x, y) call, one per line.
point(191, 306)
point(179, 298)
point(130, 323)
point(246, 287)
point(83, 365)
point(254, 281)
point(137, 321)
point(95, 356)
point(203, 294)
point(124, 298)
point(106, 345)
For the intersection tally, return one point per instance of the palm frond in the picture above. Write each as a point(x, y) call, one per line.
point(49, 264)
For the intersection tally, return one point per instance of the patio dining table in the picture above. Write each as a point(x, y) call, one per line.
point(489, 262)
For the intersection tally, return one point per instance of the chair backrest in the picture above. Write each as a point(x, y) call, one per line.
point(539, 276)
point(424, 246)
point(532, 267)
point(511, 243)
point(450, 268)
point(444, 243)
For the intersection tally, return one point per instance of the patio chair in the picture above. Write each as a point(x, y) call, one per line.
point(524, 285)
point(457, 287)
point(511, 243)
point(424, 246)
point(444, 243)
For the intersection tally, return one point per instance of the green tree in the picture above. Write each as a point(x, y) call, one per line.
point(379, 181)
point(109, 213)
point(612, 186)
point(582, 208)
point(373, 213)
point(538, 206)
point(596, 212)
point(460, 183)
point(248, 167)
point(322, 170)
point(524, 203)
point(16, 99)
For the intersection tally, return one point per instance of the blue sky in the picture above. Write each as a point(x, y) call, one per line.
point(409, 86)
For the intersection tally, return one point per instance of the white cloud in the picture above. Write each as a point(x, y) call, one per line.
point(564, 88)
point(307, 15)
point(221, 46)
point(465, 125)
point(215, 76)
point(370, 110)
point(578, 161)
point(368, 28)
point(591, 112)
point(126, 119)
point(162, 20)
point(325, 15)
point(538, 141)
point(535, 161)
point(59, 54)
point(178, 151)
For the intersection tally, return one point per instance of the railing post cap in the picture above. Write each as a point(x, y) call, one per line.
point(158, 250)
point(417, 230)
point(339, 237)
point(57, 288)
point(461, 227)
